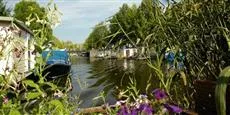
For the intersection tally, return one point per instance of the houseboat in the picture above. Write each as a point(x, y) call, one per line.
point(16, 47)
point(57, 64)
point(56, 69)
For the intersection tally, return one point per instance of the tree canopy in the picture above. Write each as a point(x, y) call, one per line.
point(24, 9)
point(98, 38)
point(69, 45)
point(124, 24)
point(199, 27)
point(31, 10)
point(131, 24)
point(4, 11)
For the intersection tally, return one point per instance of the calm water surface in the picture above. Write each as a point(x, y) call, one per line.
point(90, 77)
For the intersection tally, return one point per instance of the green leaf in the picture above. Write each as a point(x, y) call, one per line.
point(220, 91)
point(33, 95)
point(1, 78)
point(183, 76)
point(38, 48)
point(14, 112)
point(58, 106)
point(53, 86)
point(32, 84)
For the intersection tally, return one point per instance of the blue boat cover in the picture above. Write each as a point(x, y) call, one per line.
point(55, 56)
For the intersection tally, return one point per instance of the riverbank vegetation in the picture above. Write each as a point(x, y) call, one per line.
point(197, 28)
point(69, 45)
point(19, 95)
point(4, 11)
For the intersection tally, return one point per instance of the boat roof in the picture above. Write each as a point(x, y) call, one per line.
point(55, 55)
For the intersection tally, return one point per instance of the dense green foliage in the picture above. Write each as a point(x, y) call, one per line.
point(24, 9)
point(69, 45)
point(124, 21)
point(220, 91)
point(20, 95)
point(4, 11)
point(131, 25)
point(97, 38)
point(28, 11)
point(199, 28)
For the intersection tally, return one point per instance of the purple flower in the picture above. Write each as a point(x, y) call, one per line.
point(123, 110)
point(146, 108)
point(173, 108)
point(134, 111)
point(142, 106)
point(159, 94)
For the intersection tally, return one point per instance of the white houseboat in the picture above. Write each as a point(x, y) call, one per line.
point(16, 46)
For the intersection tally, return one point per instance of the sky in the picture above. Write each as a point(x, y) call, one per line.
point(80, 16)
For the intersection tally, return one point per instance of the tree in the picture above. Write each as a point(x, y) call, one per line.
point(148, 15)
point(69, 45)
point(124, 24)
point(98, 37)
point(25, 10)
point(57, 43)
point(3, 10)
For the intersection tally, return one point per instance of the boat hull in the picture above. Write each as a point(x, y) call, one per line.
point(59, 73)
point(56, 71)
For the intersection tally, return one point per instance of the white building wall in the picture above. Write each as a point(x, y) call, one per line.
point(31, 50)
point(26, 52)
point(131, 51)
point(8, 59)
point(124, 53)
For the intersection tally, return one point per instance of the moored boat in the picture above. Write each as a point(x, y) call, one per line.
point(57, 64)
point(57, 67)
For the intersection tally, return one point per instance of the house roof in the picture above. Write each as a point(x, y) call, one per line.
point(17, 22)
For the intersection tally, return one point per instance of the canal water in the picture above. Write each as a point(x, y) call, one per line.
point(92, 76)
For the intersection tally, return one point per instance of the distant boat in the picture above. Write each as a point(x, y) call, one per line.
point(84, 54)
point(57, 66)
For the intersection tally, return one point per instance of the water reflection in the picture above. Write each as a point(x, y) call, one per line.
point(90, 77)
point(129, 65)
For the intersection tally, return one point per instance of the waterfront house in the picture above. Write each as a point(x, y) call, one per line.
point(125, 52)
point(16, 46)
point(129, 52)
point(95, 53)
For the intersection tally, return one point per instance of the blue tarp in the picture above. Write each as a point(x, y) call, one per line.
point(55, 56)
